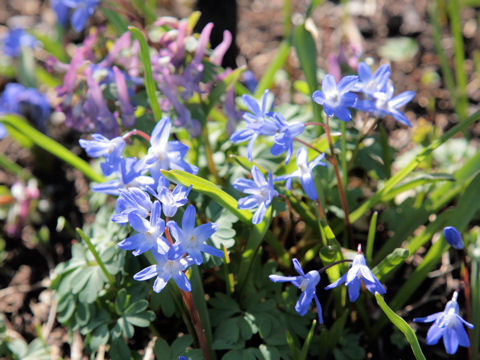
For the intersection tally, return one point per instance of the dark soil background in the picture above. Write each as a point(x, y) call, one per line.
point(26, 262)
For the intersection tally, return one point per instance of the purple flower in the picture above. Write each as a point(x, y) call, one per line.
point(149, 233)
point(15, 40)
point(164, 270)
point(449, 325)
point(337, 99)
point(190, 239)
point(83, 9)
point(261, 193)
point(128, 111)
point(284, 136)
point(353, 278)
point(304, 172)
point(453, 237)
point(259, 122)
point(306, 283)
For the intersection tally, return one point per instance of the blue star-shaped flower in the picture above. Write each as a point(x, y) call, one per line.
point(453, 237)
point(149, 233)
point(261, 193)
point(384, 103)
point(304, 172)
point(166, 269)
point(190, 239)
point(449, 325)
point(369, 83)
point(259, 122)
point(336, 99)
point(355, 275)
point(164, 154)
point(111, 149)
point(172, 200)
point(305, 282)
point(131, 201)
point(284, 136)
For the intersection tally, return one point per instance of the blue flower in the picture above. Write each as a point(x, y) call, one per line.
point(131, 201)
point(149, 233)
point(258, 121)
point(190, 239)
point(102, 146)
point(172, 200)
point(304, 172)
point(370, 84)
point(62, 11)
point(83, 9)
point(164, 154)
point(164, 270)
point(3, 131)
point(336, 99)
point(355, 275)
point(449, 325)
point(384, 103)
point(15, 40)
point(261, 193)
point(130, 174)
point(27, 102)
point(306, 283)
point(453, 237)
point(284, 136)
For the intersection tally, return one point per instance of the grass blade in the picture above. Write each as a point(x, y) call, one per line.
point(210, 189)
point(149, 82)
point(21, 126)
point(402, 326)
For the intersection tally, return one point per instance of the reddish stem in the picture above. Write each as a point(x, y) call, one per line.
point(341, 192)
point(192, 309)
point(307, 145)
point(315, 123)
point(136, 132)
point(320, 210)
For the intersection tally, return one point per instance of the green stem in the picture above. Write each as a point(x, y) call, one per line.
point(95, 254)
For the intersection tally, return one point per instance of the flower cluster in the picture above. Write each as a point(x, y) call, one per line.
point(96, 95)
point(144, 194)
point(28, 102)
point(353, 278)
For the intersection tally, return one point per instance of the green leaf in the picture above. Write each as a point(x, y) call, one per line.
point(180, 345)
point(119, 350)
point(402, 326)
point(308, 340)
point(119, 23)
point(307, 55)
point(149, 82)
point(269, 75)
point(399, 49)
point(221, 88)
point(52, 45)
point(412, 165)
point(210, 189)
point(19, 124)
point(142, 319)
point(390, 263)
point(162, 350)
